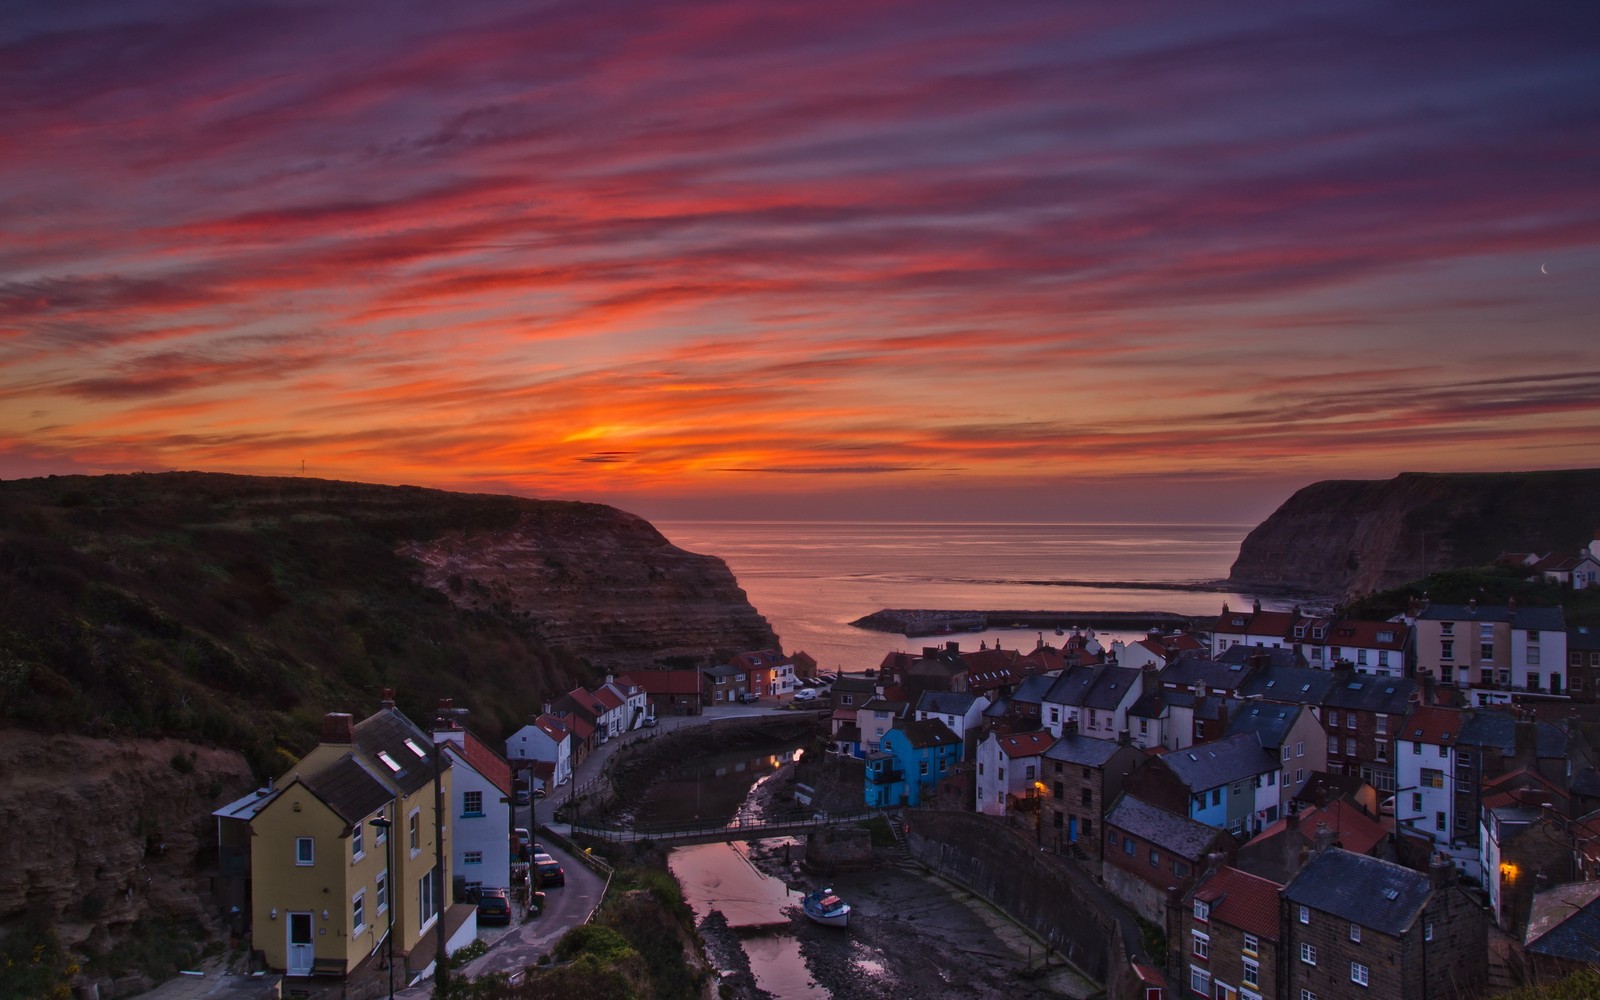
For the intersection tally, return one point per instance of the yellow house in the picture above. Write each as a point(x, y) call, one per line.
point(345, 848)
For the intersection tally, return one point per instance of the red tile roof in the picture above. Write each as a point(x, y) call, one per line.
point(486, 762)
point(670, 681)
point(1433, 725)
point(1026, 744)
point(1353, 829)
point(1242, 900)
point(608, 698)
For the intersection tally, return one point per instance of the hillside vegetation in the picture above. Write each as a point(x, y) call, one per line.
point(235, 611)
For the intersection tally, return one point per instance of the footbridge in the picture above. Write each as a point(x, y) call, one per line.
point(742, 827)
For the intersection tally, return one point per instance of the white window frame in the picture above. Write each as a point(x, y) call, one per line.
point(1359, 973)
point(358, 912)
point(382, 895)
point(305, 852)
point(1308, 953)
point(1200, 946)
point(358, 849)
point(1305, 915)
point(1355, 933)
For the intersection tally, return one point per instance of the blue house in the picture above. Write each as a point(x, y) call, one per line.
point(915, 758)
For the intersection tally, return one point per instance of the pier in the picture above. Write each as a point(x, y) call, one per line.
point(912, 622)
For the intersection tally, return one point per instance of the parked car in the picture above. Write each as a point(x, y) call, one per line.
point(494, 906)
point(806, 694)
point(650, 722)
point(747, 697)
point(520, 797)
point(549, 869)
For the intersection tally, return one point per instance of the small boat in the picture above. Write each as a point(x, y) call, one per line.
point(825, 908)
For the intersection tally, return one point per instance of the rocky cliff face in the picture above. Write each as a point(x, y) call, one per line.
point(1351, 537)
point(610, 588)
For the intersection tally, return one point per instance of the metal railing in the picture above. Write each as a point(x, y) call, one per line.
point(741, 827)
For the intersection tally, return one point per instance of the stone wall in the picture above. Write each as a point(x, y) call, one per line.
point(1045, 894)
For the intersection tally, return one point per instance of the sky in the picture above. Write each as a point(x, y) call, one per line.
point(1019, 260)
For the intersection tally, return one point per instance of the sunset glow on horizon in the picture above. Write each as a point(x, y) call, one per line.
point(715, 256)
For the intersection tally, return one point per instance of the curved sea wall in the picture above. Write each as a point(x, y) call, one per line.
point(1344, 538)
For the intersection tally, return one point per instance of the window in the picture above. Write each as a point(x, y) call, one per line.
point(1333, 719)
point(1300, 749)
point(1350, 746)
point(1432, 777)
point(1361, 657)
point(1380, 749)
point(924, 767)
point(1305, 915)
point(427, 899)
point(1308, 954)
point(1447, 628)
point(357, 838)
point(1427, 931)
point(1355, 933)
point(1252, 973)
point(1087, 796)
point(1058, 790)
point(1299, 774)
point(1333, 744)
point(1201, 945)
point(1438, 821)
point(1252, 944)
point(1127, 846)
point(1381, 725)
point(382, 832)
point(1200, 980)
point(1155, 858)
point(414, 834)
point(1307, 995)
point(1358, 973)
point(1028, 774)
point(358, 912)
point(472, 803)
point(382, 895)
point(1447, 650)
point(1416, 801)
point(1286, 751)
point(472, 858)
point(1202, 910)
point(1216, 796)
point(1383, 657)
point(305, 852)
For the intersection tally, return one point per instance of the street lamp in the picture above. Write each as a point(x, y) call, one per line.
point(382, 825)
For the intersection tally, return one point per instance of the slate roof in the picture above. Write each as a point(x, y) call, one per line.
point(1564, 922)
point(1582, 637)
point(1073, 686)
point(1178, 834)
point(1363, 890)
point(1151, 705)
point(1080, 749)
point(1186, 671)
point(1240, 899)
point(928, 733)
point(854, 684)
point(946, 702)
point(1534, 619)
point(1209, 707)
point(1305, 685)
point(1208, 765)
point(1269, 720)
point(387, 733)
point(1262, 656)
point(1110, 687)
point(1033, 689)
point(1370, 693)
point(1497, 729)
point(349, 788)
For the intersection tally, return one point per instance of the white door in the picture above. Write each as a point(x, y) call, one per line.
point(300, 946)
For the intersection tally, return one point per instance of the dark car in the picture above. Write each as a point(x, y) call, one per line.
point(549, 869)
point(494, 906)
point(520, 797)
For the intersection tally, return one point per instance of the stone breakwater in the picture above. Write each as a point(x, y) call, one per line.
point(922, 621)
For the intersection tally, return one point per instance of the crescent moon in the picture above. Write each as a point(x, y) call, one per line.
point(1543, 269)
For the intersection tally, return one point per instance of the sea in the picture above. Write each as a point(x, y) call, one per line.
point(811, 579)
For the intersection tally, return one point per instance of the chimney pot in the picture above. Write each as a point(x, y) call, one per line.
point(386, 699)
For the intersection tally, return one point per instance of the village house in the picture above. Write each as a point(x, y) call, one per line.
point(1525, 843)
point(1379, 648)
point(725, 684)
point(480, 807)
point(1563, 929)
point(672, 692)
point(914, 759)
point(1362, 715)
point(876, 718)
point(635, 701)
point(1152, 855)
point(345, 846)
point(1583, 663)
point(768, 673)
point(547, 738)
point(1282, 849)
point(1425, 777)
point(960, 711)
point(1008, 773)
point(1292, 733)
point(1096, 699)
point(1022, 710)
point(1157, 650)
point(585, 716)
point(1493, 651)
point(1355, 926)
point(1255, 628)
point(1084, 776)
point(1225, 936)
point(1231, 783)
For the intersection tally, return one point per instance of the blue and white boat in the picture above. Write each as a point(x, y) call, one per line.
point(825, 908)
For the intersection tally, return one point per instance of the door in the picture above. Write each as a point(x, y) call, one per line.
point(1072, 829)
point(300, 946)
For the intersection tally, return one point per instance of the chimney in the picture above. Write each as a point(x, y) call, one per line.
point(1323, 839)
point(1124, 738)
point(338, 727)
point(386, 699)
point(1069, 728)
point(930, 652)
point(1472, 605)
point(954, 647)
point(1440, 870)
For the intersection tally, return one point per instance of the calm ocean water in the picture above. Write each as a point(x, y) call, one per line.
point(812, 578)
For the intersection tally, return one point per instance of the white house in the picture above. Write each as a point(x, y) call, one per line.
point(480, 815)
point(1009, 765)
point(1424, 772)
point(548, 739)
point(1096, 698)
point(961, 712)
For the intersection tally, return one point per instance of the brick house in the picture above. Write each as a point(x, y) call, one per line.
point(1224, 936)
point(1084, 775)
point(1354, 926)
point(1583, 663)
point(1152, 855)
point(1362, 716)
point(1009, 767)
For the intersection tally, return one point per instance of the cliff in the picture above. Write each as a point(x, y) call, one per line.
point(167, 641)
point(1344, 538)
